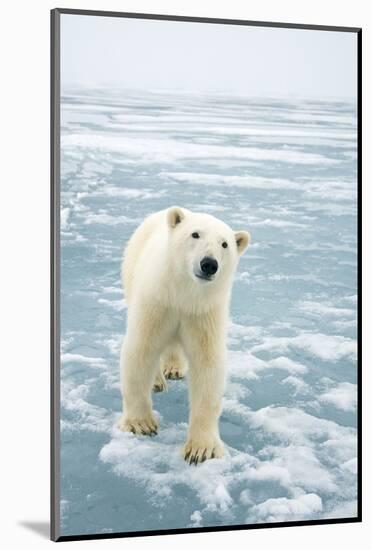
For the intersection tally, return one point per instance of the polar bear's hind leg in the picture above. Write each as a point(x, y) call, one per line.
point(160, 382)
point(173, 362)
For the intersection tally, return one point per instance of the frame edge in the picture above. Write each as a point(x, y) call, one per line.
point(212, 20)
point(54, 274)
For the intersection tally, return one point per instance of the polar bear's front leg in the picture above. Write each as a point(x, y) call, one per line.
point(140, 355)
point(136, 383)
point(204, 341)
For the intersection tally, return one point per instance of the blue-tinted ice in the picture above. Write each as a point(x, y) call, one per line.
point(284, 170)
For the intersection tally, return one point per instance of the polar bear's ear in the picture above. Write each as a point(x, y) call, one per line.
point(174, 216)
point(242, 240)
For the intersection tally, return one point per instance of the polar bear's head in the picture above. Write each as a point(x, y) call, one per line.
point(203, 247)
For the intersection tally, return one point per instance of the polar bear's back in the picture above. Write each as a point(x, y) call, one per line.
point(146, 239)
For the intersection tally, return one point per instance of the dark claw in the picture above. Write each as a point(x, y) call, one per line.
point(187, 456)
point(203, 458)
point(192, 460)
point(213, 454)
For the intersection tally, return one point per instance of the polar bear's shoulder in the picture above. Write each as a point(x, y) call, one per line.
point(146, 240)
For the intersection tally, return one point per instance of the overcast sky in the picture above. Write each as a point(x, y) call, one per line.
point(254, 61)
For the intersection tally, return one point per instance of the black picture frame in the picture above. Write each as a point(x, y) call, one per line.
point(55, 271)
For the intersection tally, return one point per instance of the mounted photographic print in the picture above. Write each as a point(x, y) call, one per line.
point(205, 279)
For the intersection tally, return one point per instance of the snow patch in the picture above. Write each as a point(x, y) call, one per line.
point(326, 347)
point(343, 396)
point(286, 509)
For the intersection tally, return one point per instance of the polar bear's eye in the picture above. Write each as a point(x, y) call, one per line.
point(195, 235)
point(224, 245)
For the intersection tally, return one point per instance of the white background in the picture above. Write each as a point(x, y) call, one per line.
point(24, 269)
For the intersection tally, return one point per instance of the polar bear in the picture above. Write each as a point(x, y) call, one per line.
point(177, 274)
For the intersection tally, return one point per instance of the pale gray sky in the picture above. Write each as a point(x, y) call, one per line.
point(254, 61)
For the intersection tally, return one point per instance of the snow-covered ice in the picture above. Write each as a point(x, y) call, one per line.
point(285, 170)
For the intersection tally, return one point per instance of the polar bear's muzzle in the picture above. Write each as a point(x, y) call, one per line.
point(208, 268)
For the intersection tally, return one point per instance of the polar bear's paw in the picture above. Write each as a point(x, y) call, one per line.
point(174, 370)
point(195, 451)
point(160, 383)
point(141, 426)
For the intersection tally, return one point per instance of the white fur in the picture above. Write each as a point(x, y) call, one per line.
point(175, 318)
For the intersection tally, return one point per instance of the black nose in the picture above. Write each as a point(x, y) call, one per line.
point(209, 266)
